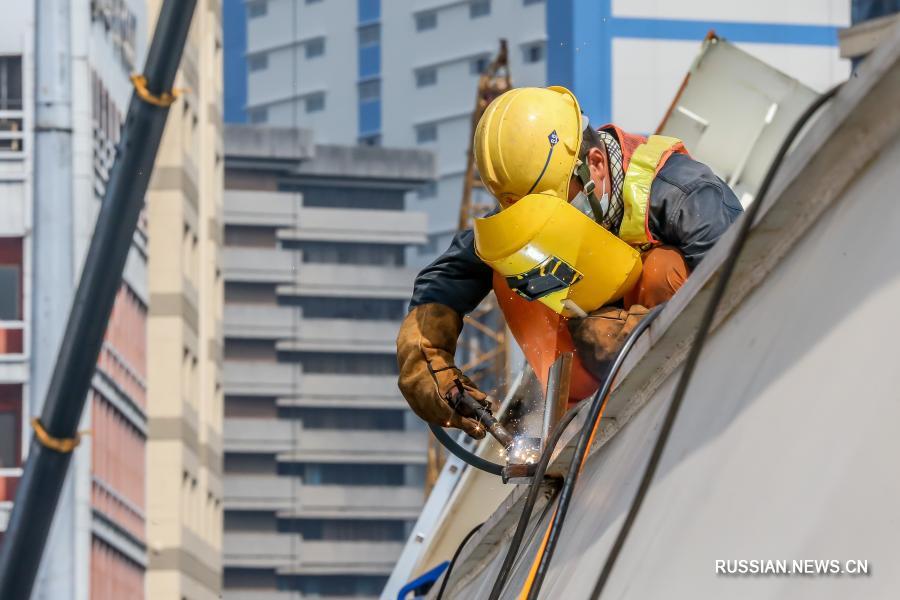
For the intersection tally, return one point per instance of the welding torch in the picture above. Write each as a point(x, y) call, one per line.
point(467, 406)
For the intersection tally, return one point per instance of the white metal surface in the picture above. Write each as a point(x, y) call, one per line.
point(733, 112)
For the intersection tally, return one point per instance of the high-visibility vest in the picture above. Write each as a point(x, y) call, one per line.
point(541, 333)
point(641, 163)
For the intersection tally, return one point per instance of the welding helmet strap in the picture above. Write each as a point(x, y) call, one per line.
point(586, 201)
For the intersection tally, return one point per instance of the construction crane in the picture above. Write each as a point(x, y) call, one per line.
point(484, 340)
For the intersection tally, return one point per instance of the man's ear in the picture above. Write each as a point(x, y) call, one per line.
point(596, 159)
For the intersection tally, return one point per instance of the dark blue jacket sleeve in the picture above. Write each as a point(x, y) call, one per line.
point(690, 207)
point(457, 278)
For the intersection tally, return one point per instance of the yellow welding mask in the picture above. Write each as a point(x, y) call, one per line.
point(527, 142)
point(548, 250)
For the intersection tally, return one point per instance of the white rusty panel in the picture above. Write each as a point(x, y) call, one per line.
point(641, 96)
point(734, 112)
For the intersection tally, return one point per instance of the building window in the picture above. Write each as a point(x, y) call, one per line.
point(11, 99)
point(430, 247)
point(363, 309)
point(426, 132)
point(250, 293)
point(369, 90)
point(10, 425)
point(10, 280)
point(315, 47)
point(250, 236)
point(314, 102)
point(358, 419)
point(479, 64)
point(371, 530)
point(368, 11)
point(349, 474)
point(370, 140)
point(533, 53)
point(339, 363)
point(259, 8)
point(257, 62)
point(426, 21)
point(429, 190)
point(10, 83)
point(106, 117)
point(9, 293)
point(327, 586)
point(369, 35)
point(479, 8)
point(426, 76)
point(313, 1)
point(350, 253)
point(529, 2)
point(258, 115)
point(347, 197)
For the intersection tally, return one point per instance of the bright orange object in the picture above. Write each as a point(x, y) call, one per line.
point(543, 336)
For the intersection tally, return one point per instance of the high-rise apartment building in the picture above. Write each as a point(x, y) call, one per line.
point(403, 73)
point(184, 346)
point(97, 544)
point(324, 462)
point(15, 166)
point(399, 74)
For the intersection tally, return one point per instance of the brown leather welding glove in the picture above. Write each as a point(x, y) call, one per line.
point(426, 345)
point(599, 336)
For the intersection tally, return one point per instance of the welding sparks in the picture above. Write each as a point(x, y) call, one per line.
point(524, 451)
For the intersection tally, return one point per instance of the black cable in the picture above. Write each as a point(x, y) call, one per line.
point(568, 488)
point(530, 501)
point(534, 490)
point(468, 457)
point(690, 363)
point(456, 554)
point(472, 459)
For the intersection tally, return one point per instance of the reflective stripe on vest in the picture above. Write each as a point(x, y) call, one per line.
point(642, 169)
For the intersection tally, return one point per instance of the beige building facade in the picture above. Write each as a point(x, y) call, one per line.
point(184, 445)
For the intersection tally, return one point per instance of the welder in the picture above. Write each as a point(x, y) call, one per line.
point(594, 227)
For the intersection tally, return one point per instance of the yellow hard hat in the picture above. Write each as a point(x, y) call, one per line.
point(527, 142)
point(550, 251)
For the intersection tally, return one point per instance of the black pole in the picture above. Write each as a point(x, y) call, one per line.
point(39, 489)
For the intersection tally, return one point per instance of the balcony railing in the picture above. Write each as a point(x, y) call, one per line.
point(295, 388)
point(291, 496)
point(292, 442)
point(292, 554)
point(357, 225)
point(294, 332)
point(350, 281)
